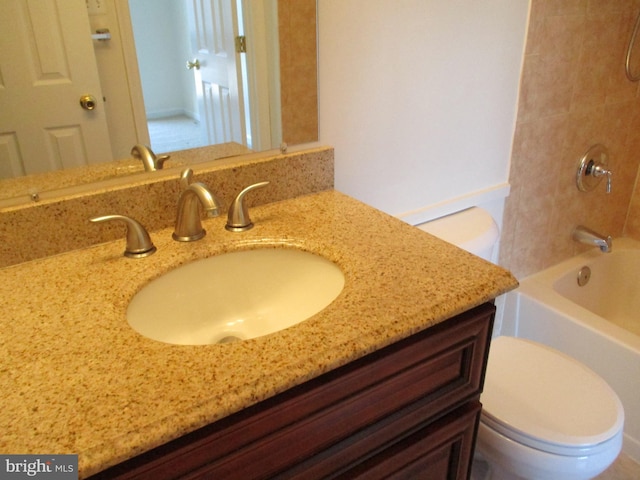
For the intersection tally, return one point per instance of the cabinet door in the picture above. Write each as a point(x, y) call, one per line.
point(441, 451)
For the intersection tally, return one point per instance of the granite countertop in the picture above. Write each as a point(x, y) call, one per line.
point(75, 378)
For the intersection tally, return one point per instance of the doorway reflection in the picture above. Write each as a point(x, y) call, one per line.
point(162, 46)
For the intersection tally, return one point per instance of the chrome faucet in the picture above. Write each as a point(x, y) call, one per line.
point(188, 224)
point(149, 160)
point(589, 237)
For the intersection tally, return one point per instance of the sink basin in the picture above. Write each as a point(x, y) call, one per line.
point(235, 296)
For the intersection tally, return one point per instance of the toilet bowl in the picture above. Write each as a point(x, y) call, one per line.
point(545, 416)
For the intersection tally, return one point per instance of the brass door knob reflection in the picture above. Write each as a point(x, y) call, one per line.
point(88, 102)
point(195, 64)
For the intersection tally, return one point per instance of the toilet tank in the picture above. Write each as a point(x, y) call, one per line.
point(473, 229)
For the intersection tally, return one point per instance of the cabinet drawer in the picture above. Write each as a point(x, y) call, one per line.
point(440, 451)
point(392, 392)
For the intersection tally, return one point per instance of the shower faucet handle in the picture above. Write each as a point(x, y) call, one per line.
point(599, 171)
point(592, 167)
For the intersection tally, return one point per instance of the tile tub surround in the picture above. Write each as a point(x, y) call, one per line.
point(77, 379)
point(50, 227)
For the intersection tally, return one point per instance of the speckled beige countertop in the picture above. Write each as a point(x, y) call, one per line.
point(75, 378)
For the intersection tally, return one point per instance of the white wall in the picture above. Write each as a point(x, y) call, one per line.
point(418, 97)
point(161, 36)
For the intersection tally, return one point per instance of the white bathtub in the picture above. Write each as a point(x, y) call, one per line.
point(598, 324)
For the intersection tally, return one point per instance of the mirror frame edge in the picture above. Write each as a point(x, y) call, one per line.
point(132, 71)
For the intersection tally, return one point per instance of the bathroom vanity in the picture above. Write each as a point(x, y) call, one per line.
point(409, 410)
point(388, 375)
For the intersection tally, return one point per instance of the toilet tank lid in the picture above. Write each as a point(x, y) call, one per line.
point(547, 396)
point(473, 229)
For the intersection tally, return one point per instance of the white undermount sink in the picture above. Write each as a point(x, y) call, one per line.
point(235, 296)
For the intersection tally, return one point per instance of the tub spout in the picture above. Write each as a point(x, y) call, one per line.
point(589, 237)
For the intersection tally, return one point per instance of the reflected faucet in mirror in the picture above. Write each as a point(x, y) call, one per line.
point(149, 160)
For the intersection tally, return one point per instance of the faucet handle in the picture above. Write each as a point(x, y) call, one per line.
point(238, 218)
point(593, 165)
point(139, 243)
point(160, 161)
point(186, 178)
point(599, 171)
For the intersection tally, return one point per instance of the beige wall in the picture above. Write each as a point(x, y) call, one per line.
point(574, 94)
point(298, 70)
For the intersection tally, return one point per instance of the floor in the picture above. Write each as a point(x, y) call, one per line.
point(170, 134)
point(622, 469)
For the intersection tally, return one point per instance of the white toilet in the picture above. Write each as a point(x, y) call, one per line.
point(545, 415)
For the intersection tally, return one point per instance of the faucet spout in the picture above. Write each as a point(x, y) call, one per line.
point(188, 224)
point(149, 160)
point(589, 237)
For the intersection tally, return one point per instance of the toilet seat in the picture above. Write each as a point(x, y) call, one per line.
point(546, 400)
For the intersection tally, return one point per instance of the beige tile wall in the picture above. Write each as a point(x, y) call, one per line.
point(298, 70)
point(574, 93)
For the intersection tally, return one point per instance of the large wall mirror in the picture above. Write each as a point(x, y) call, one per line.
point(172, 74)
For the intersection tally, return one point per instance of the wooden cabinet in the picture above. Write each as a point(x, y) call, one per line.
point(409, 410)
